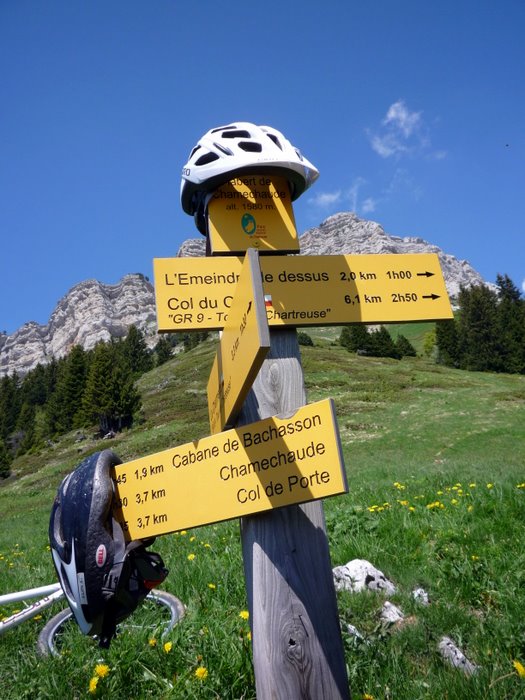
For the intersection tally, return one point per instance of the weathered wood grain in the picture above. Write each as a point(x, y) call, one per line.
point(297, 646)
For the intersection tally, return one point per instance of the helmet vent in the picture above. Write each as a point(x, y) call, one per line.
point(206, 158)
point(250, 146)
point(276, 141)
point(220, 128)
point(223, 149)
point(236, 134)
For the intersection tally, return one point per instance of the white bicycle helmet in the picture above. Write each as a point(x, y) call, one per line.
point(103, 578)
point(242, 148)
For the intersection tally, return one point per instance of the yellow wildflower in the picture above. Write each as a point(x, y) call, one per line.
point(101, 670)
point(167, 647)
point(191, 557)
point(201, 673)
point(490, 486)
point(244, 614)
point(435, 504)
point(93, 682)
point(520, 668)
point(152, 642)
point(212, 586)
point(367, 696)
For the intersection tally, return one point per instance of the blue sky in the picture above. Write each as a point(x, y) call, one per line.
point(412, 111)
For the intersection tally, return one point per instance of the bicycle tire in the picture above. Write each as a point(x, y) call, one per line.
point(47, 639)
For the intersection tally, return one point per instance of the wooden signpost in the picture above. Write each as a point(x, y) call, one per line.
point(280, 455)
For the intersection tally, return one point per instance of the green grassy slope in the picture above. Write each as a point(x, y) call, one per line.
point(435, 461)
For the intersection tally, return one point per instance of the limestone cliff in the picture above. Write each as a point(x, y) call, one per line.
point(92, 311)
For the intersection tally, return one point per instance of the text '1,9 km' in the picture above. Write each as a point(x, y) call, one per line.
point(268, 464)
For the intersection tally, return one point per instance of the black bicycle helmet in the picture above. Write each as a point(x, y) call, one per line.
point(103, 578)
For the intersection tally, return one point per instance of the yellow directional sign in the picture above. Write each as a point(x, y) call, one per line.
point(272, 463)
point(304, 290)
point(252, 211)
point(243, 345)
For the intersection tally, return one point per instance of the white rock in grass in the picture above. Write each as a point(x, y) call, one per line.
point(391, 613)
point(454, 656)
point(420, 596)
point(358, 575)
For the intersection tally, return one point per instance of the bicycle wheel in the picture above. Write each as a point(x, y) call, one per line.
point(157, 615)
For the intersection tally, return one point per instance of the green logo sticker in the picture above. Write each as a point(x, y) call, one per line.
point(248, 224)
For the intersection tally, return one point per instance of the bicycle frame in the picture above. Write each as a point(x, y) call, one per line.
point(51, 593)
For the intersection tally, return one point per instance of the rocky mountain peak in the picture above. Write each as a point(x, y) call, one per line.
point(346, 234)
point(92, 311)
point(88, 313)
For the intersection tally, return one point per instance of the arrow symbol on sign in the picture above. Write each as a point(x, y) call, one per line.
point(425, 274)
point(431, 296)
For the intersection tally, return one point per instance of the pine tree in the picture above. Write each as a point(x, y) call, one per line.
point(97, 403)
point(382, 344)
point(25, 428)
point(64, 408)
point(136, 352)
point(405, 347)
point(5, 461)
point(304, 339)
point(447, 343)
point(126, 399)
point(355, 338)
point(163, 350)
point(110, 397)
point(191, 340)
point(511, 326)
point(34, 387)
point(9, 405)
point(478, 332)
